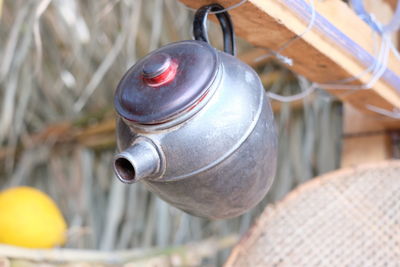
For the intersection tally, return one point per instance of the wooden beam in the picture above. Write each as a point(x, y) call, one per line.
point(392, 3)
point(365, 149)
point(383, 10)
point(366, 139)
point(339, 46)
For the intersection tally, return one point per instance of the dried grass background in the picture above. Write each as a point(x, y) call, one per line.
point(60, 63)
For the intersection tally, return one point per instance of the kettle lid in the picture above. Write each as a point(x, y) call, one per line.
point(167, 82)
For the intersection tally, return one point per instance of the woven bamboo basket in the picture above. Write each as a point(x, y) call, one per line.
point(349, 217)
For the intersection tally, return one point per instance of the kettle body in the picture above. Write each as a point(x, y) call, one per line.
point(197, 129)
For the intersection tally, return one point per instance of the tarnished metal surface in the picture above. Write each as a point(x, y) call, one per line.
point(221, 161)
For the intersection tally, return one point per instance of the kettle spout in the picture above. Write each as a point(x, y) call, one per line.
point(139, 161)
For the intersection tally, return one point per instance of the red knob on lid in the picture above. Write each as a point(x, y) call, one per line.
point(159, 69)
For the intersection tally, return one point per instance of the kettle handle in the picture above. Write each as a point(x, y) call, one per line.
point(200, 26)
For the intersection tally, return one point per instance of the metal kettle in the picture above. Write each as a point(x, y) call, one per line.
point(196, 126)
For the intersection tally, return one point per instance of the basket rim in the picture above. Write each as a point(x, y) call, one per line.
point(250, 236)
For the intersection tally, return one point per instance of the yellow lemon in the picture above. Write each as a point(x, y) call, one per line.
point(30, 218)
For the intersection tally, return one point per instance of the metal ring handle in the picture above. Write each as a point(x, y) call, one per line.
point(200, 27)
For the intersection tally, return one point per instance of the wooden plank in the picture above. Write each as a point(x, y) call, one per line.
point(366, 139)
point(339, 46)
point(392, 3)
point(383, 10)
point(365, 149)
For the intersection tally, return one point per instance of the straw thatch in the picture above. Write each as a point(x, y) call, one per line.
point(60, 63)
